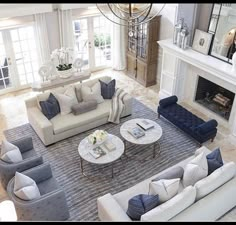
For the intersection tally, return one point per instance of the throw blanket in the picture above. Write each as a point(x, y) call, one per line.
point(117, 106)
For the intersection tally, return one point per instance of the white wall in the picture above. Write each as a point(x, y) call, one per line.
point(168, 20)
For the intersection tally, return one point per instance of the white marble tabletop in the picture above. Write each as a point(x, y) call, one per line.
point(109, 157)
point(152, 135)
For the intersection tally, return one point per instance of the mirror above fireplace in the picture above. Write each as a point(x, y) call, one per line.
point(223, 27)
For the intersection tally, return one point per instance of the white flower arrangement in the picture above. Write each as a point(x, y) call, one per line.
point(62, 58)
point(97, 137)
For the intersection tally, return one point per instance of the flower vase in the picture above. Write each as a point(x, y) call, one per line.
point(65, 73)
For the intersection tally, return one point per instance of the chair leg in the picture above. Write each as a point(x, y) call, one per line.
point(158, 115)
point(212, 139)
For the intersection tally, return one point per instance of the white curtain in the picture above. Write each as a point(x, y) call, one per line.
point(118, 45)
point(66, 28)
point(42, 36)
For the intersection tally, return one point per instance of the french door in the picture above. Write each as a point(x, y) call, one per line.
point(19, 61)
point(93, 36)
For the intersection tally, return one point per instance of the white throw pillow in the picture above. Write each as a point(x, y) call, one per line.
point(166, 189)
point(94, 92)
point(10, 153)
point(65, 103)
point(195, 170)
point(25, 187)
point(171, 208)
point(215, 179)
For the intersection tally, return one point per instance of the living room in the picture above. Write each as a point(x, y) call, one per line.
point(79, 82)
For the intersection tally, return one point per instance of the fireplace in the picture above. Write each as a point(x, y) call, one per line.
point(214, 97)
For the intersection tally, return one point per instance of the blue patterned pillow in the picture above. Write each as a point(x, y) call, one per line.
point(214, 160)
point(108, 90)
point(140, 204)
point(50, 107)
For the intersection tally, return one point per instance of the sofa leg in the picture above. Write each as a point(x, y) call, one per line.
point(158, 115)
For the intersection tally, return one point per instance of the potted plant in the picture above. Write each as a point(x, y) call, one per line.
point(63, 60)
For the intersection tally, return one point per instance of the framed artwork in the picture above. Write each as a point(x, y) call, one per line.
point(202, 41)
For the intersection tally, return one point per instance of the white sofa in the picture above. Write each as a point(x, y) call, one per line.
point(182, 207)
point(64, 126)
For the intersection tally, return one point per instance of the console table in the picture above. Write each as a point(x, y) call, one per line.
point(58, 82)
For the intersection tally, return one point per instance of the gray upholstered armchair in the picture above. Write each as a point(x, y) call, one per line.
point(50, 206)
point(30, 159)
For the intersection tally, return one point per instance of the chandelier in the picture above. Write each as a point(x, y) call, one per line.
point(130, 14)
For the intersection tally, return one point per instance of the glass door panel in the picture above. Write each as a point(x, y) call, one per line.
point(5, 81)
point(81, 41)
point(93, 41)
point(102, 41)
point(26, 56)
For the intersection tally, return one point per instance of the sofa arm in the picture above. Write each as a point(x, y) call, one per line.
point(110, 210)
point(128, 101)
point(42, 126)
point(207, 126)
point(31, 102)
point(168, 101)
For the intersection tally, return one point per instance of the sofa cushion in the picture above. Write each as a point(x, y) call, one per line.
point(50, 108)
point(214, 160)
point(25, 187)
point(195, 170)
point(10, 153)
point(166, 189)
point(66, 122)
point(172, 207)
point(84, 107)
point(215, 180)
point(175, 172)
point(108, 89)
point(92, 93)
point(140, 204)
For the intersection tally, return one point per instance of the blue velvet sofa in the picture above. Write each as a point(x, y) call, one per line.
point(197, 128)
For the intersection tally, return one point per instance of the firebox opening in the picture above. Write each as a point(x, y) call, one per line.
point(214, 97)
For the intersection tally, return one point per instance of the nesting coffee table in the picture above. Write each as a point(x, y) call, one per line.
point(151, 137)
point(109, 157)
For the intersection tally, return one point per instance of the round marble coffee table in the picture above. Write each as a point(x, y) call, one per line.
point(109, 157)
point(152, 136)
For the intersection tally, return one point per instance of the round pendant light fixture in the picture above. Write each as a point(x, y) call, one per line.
point(131, 13)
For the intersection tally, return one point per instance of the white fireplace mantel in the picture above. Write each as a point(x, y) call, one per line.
point(208, 63)
point(180, 72)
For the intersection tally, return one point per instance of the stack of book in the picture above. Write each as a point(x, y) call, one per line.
point(145, 125)
point(136, 132)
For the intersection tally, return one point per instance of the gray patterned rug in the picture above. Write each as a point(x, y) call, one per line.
point(82, 192)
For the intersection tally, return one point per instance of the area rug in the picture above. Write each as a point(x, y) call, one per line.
point(81, 192)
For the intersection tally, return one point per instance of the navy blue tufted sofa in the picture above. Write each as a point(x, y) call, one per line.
point(188, 122)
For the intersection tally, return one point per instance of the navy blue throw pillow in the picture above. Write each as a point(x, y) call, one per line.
point(140, 204)
point(50, 107)
point(108, 90)
point(214, 160)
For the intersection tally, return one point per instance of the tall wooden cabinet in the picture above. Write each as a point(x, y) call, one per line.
point(142, 52)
